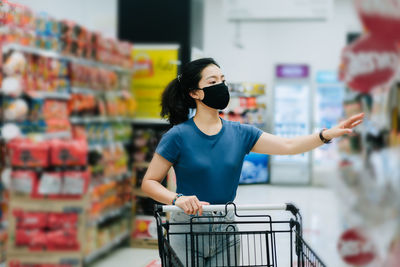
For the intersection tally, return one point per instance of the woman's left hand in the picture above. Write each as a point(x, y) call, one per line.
point(345, 127)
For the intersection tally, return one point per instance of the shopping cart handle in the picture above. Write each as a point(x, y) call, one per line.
point(289, 207)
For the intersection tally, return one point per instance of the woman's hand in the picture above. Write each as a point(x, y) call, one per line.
point(345, 127)
point(190, 205)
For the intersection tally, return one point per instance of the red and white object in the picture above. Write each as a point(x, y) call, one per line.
point(50, 184)
point(369, 62)
point(75, 183)
point(68, 152)
point(24, 182)
point(30, 220)
point(145, 228)
point(356, 247)
point(27, 153)
point(62, 220)
point(381, 18)
point(373, 60)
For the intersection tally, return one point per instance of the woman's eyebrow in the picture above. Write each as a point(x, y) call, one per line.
point(215, 77)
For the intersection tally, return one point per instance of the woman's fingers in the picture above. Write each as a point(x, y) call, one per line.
point(194, 206)
point(200, 210)
point(354, 124)
point(191, 205)
point(185, 208)
point(355, 118)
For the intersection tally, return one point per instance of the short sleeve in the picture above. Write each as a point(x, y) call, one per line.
point(169, 146)
point(249, 135)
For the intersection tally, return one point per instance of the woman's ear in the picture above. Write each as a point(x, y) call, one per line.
point(197, 94)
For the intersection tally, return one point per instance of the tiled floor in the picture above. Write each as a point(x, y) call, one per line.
point(321, 224)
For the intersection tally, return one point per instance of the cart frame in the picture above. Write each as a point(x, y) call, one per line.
point(301, 254)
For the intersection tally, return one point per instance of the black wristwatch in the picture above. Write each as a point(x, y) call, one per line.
point(325, 141)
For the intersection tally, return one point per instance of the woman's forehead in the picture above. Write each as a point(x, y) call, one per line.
point(211, 70)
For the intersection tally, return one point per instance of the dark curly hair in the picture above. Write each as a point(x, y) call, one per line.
point(176, 101)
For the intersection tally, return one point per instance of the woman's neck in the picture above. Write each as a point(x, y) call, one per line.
point(206, 115)
point(207, 120)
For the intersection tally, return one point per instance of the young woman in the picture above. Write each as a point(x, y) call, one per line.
point(206, 151)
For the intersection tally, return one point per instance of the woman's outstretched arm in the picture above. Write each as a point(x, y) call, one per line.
point(276, 145)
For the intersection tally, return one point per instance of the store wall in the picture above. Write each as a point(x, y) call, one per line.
point(249, 51)
point(96, 15)
point(266, 43)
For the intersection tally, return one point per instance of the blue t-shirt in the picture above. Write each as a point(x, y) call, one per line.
point(208, 166)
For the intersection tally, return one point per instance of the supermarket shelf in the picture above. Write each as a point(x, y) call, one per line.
point(109, 215)
point(99, 119)
point(86, 91)
point(138, 192)
point(65, 134)
point(238, 94)
point(117, 241)
point(122, 177)
point(63, 95)
point(53, 95)
point(89, 91)
point(149, 121)
point(141, 164)
point(53, 54)
point(95, 147)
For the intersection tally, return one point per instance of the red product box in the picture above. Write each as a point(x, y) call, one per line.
point(24, 182)
point(38, 241)
point(68, 153)
point(55, 109)
point(30, 220)
point(27, 153)
point(62, 220)
point(76, 183)
point(50, 184)
point(62, 239)
point(23, 237)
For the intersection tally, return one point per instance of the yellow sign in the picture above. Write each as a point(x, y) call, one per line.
point(154, 68)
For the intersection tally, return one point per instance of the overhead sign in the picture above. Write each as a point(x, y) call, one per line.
point(292, 71)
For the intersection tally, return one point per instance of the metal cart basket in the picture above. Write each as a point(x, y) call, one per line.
point(234, 235)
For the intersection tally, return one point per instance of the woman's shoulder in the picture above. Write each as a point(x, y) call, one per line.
point(177, 129)
point(232, 124)
point(240, 127)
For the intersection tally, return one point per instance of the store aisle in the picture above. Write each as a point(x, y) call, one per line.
point(130, 257)
point(318, 207)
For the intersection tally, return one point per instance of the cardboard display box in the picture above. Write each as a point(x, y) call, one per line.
point(71, 208)
point(56, 260)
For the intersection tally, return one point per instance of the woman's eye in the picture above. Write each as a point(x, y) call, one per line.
point(212, 82)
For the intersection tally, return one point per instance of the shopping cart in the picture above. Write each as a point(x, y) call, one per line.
point(251, 239)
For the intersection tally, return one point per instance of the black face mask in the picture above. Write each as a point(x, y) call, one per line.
point(216, 96)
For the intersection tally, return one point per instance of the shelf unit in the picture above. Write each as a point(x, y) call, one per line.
point(155, 127)
point(65, 95)
point(52, 54)
point(103, 250)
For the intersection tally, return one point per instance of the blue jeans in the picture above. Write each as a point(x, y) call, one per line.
point(210, 244)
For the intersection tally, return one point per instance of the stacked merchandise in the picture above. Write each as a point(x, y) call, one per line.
point(65, 118)
point(248, 105)
point(146, 138)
